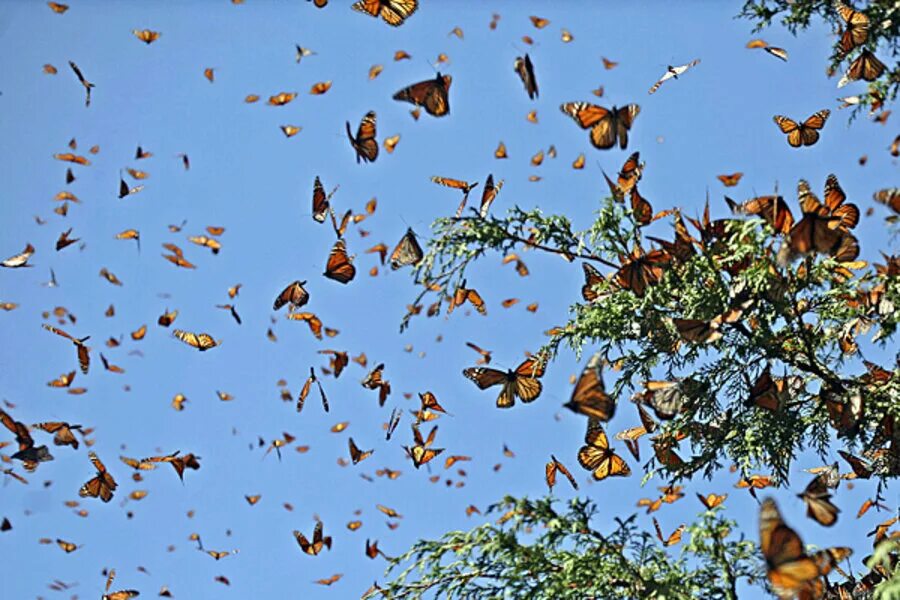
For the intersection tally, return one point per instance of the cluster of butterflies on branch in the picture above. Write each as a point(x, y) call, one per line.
point(823, 226)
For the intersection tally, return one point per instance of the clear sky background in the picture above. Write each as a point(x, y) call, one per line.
point(246, 176)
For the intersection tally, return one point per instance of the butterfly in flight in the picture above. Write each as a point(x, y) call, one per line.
point(100, 486)
point(87, 84)
point(394, 12)
point(365, 144)
point(606, 125)
point(525, 69)
point(407, 252)
point(672, 73)
point(805, 133)
point(432, 95)
point(522, 382)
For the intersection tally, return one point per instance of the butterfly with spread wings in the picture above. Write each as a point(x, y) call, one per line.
point(87, 84)
point(773, 210)
point(789, 569)
point(200, 341)
point(62, 432)
point(522, 382)
point(596, 455)
point(525, 69)
point(433, 95)
point(318, 540)
point(802, 134)
point(407, 252)
point(84, 357)
point(672, 73)
point(817, 498)
point(100, 486)
point(118, 595)
point(856, 32)
point(28, 453)
point(589, 396)
point(607, 125)
point(825, 226)
point(365, 144)
point(394, 12)
point(552, 468)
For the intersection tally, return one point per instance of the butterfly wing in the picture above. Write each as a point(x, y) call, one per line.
point(589, 396)
point(407, 252)
point(339, 267)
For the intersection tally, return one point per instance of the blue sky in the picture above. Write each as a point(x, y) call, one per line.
point(246, 176)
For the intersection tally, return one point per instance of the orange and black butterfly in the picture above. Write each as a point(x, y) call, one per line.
point(552, 468)
point(87, 86)
point(642, 270)
point(606, 125)
point(294, 294)
point(522, 382)
point(365, 144)
point(200, 341)
point(119, 595)
point(672, 539)
point(357, 455)
point(318, 540)
point(421, 452)
point(84, 356)
point(489, 195)
point(394, 12)
point(802, 134)
point(320, 202)
point(102, 485)
point(319, 3)
point(712, 500)
point(773, 209)
point(592, 277)
point(145, 35)
point(866, 66)
point(824, 227)
point(525, 70)
point(62, 431)
point(857, 27)
point(339, 266)
point(890, 197)
point(589, 396)
point(596, 455)
point(818, 502)
point(407, 252)
point(462, 294)
point(432, 95)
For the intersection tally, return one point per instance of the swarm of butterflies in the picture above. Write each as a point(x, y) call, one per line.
point(825, 227)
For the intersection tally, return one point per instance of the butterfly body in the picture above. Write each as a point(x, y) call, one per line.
point(607, 126)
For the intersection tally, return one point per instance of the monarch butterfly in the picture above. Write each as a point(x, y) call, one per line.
point(102, 485)
point(596, 455)
point(421, 452)
point(364, 143)
point(109, 366)
point(357, 455)
point(865, 66)
point(67, 547)
point(641, 209)
point(773, 209)
point(462, 294)
point(314, 322)
point(712, 500)
point(329, 580)
point(119, 595)
point(87, 95)
point(394, 12)
point(407, 252)
point(789, 569)
point(58, 8)
point(525, 70)
point(432, 95)
point(83, 352)
point(673, 539)
point(818, 502)
point(318, 540)
point(554, 466)
point(642, 270)
point(672, 73)
point(167, 318)
point(294, 293)
point(489, 195)
point(64, 380)
point(522, 382)
point(19, 260)
point(664, 397)
point(823, 227)
point(200, 341)
point(282, 98)
point(730, 180)
point(339, 266)
point(606, 125)
point(857, 31)
point(592, 277)
point(589, 396)
point(146, 36)
point(805, 134)
point(890, 197)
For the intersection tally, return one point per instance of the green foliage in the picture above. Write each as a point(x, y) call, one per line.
point(884, 34)
point(535, 551)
